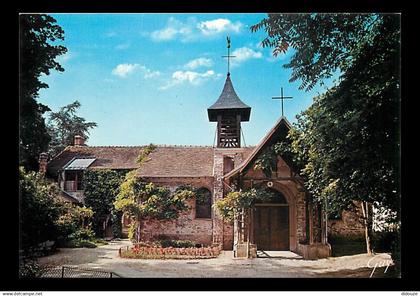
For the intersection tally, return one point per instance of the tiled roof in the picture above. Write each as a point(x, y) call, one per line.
point(107, 157)
point(164, 161)
point(182, 161)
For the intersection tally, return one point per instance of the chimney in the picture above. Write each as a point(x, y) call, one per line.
point(79, 141)
point(43, 161)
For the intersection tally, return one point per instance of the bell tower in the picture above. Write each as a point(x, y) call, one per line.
point(228, 111)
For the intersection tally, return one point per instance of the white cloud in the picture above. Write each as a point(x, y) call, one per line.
point(243, 54)
point(191, 29)
point(122, 70)
point(219, 26)
point(122, 46)
point(164, 34)
point(173, 29)
point(200, 62)
point(194, 78)
point(147, 73)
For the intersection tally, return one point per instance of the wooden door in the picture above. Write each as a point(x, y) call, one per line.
point(271, 228)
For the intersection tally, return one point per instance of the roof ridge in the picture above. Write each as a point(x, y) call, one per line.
point(141, 146)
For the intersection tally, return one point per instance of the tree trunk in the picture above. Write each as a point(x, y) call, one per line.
point(367, 219)
point(138, 229)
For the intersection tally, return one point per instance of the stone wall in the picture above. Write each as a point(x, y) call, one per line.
point(350, 225)
point(222, 230)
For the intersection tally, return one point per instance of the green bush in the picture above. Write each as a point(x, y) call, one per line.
point(80, 244)
point(384, 241)
point(176, 243)
point(30, 269)
point(100, 189)
point(39, 210)
point(83, 234)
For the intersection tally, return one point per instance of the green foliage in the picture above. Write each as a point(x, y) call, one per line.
point(166, 243)
point(82, 234)
point(101, 188)
point(132, 228)
point(73, 219)
point(266, 161)
point(64, 125)
point(349, 138)
point(145, 200)
point(348, 141)
point(30, 269)
point(116, 218)
point(80, 244)
point(144, 153)
point(324, 43)
point(39, 210)
point(235, 201)
point(37, 58)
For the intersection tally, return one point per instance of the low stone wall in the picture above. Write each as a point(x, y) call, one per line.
point(314, 251)
point(349, 226)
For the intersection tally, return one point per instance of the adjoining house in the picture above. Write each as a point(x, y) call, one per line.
point(289, 222)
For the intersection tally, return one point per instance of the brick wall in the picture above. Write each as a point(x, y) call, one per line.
point(186, 227)
point(350, 225)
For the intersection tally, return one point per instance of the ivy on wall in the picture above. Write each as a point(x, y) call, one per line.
point(101, 190)
point(235, 201)
point(145, 200)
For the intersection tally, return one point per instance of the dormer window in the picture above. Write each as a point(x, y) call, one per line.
point(73, 174)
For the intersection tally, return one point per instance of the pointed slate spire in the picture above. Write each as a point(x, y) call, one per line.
point(229, 102)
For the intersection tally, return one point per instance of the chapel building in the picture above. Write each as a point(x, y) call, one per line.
point(288, 222)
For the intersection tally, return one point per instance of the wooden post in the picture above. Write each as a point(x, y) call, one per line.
point(247, 235)
point(62, 272)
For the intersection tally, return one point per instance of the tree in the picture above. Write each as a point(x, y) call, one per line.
point(39, 210)
point(101, 188)
point(64, 125)
point(37, 57)
point(348, 141)
point(323, 42)
point(145, 200)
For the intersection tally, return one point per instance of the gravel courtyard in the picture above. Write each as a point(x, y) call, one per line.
point(281, 264)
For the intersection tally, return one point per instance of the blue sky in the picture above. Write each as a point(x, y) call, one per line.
point(149, 78)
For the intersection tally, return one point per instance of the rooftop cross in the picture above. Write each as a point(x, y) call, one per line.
point(281, 98)
point(228, 55)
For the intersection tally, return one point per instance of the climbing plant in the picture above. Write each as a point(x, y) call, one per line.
point(144, 153)
point(267, 160)
point(144, 200)
point(235, 201)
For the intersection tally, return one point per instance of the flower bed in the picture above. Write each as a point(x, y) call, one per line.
point(153, 252)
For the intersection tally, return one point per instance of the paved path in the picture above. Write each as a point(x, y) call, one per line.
point(286, 264)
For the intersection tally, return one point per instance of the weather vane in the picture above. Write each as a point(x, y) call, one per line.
point(281, 98)
point(228, 55)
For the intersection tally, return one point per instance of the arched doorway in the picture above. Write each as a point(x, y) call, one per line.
point(271, 223)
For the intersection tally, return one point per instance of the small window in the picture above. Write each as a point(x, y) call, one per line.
point(228, 164)
point(203, 203)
